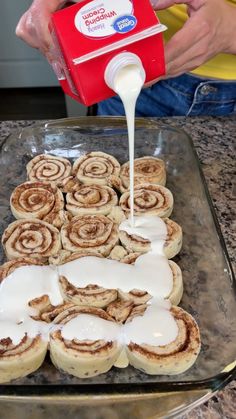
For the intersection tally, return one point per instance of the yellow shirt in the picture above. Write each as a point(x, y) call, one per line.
point(222, 66)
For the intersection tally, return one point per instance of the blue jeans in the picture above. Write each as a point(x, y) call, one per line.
point(185, 95)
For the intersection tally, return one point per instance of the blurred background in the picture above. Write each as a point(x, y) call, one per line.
point(28, 86)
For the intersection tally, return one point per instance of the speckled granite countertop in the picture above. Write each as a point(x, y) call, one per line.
point(215, 142)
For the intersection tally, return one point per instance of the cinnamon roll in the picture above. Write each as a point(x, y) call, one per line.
point(149, 199)
point(73, 347)
point(96, 168)
point(146, 170)
point(36, 200)
point(134, 243)
point(8, 267)
point(173, 358)
point(91, 295)
point(91, 199)
point(21, 359)
point(45, 167)
point(177, 290)
point(90, 232)
point(139, 297)
point(34, 238)
point(174, 239)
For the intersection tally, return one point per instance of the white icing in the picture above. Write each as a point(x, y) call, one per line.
point(21, 286)
point(128, 84)
point(156, 327)
point(89, 327)
point(25, 284)
point(17, 331)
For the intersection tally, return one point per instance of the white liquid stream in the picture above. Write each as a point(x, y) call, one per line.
point(151, 273)
point(128, 84)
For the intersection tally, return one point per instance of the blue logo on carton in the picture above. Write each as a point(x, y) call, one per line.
point(125, 23)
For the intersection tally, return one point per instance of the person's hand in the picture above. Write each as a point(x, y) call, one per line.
point(210, 30)
point(33, 25)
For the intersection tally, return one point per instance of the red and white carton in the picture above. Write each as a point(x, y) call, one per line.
point(89, 34)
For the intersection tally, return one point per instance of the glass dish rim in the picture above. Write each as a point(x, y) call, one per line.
point(56, 391)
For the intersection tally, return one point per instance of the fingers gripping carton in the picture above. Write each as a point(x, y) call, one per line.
point(89, 34)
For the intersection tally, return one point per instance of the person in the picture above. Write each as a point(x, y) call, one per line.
point(200, 55)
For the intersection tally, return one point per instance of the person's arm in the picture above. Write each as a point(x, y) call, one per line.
point(210, 29)
point(33, 25)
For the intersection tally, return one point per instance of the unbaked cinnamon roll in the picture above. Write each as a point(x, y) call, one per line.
point(21, 359)
point(36, 200)
point(91, 199)
point(45, 167)
point(173, 358)
point(96, 168)
point(8, 267)
point(90, 232)
point(92, 295)
point(34, 238)
point(174, 239)
point(139, 297)
point(177, 289)
point(146, 170)
point(149, 199)
point(84, 356)
point(133, 243)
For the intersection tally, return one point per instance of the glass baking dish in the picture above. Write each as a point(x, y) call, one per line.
point(209, 284)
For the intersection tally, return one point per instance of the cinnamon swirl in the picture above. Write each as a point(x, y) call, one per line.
point(73, 347)
point(91, 199)
point(149, 199)
point(8, 267)
point(20, 359)
point(174, 357)
point(36, 200)
point(45, 167)
point(90, 232)
point(34, 238)
point(146, 170)
point(96, 168)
